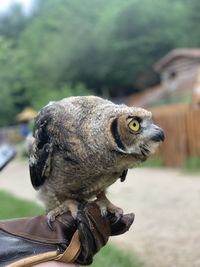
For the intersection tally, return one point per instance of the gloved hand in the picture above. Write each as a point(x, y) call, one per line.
point(95, 230)
point(28, 241)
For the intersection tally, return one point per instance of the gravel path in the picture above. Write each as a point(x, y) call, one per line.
point(166, 231)
point(15, 178)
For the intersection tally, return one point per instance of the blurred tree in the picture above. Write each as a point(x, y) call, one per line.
point(13, 22)
point(190, 22)
point(66, 47)
point(13, 95)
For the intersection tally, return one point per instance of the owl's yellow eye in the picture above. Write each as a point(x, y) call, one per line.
point(134, 125)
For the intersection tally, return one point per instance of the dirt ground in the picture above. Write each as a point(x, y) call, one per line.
point(166, 231)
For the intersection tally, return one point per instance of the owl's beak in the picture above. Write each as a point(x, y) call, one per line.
point(159, 135)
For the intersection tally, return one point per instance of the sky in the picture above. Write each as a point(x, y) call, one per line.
point(5, 4)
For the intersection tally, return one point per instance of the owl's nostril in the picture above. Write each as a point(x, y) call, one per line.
point(159, 136)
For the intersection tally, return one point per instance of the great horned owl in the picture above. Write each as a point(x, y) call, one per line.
point(84, 144)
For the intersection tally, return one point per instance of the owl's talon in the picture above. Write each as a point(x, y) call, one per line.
point(118, 212)
point(103, 208)
point(118, 218)
point(74, 214)
point(104, 212)
point(69, 205)
point(107, 207)
point(50, 219)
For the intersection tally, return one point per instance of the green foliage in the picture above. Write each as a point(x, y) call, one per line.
point(152, 162)
point(108, 47)
point(13, 95)
point(111, 256)
point(13, 23)
point(12, 207)
point(192, 165)
point(50, 94)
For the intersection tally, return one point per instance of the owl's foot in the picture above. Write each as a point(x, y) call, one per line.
point(106, 206)
point(68, 205)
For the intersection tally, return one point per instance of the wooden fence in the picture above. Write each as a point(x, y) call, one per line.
point(182, 130)
point(181, 124)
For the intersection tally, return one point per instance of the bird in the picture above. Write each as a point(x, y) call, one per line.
point(82, 145)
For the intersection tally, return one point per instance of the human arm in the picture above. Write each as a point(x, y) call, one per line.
point(30, 241)
point(55, 264)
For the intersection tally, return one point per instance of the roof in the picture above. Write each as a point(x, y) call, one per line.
point(145, 97)
point(26, 115)
point(180, 52)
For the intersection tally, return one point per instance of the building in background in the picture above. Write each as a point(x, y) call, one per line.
point(180, 73)
point(175, 104)
point(180, 80)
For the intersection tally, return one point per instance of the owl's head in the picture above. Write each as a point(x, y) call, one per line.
point(135, 134)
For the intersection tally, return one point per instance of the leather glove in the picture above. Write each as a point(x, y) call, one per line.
point(29, 241)
point(95, 230)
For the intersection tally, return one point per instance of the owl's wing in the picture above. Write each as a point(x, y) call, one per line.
point(41, 151)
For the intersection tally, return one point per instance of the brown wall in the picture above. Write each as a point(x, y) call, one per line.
point(182, 129)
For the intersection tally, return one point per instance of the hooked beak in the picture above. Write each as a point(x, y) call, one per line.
point(158, 135)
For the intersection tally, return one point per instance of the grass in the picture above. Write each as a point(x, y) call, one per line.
point(109, 256)
point(12, 207)
point(152, 162)
point(192, 165)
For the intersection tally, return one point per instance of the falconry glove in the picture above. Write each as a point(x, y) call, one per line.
point(29, 241)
